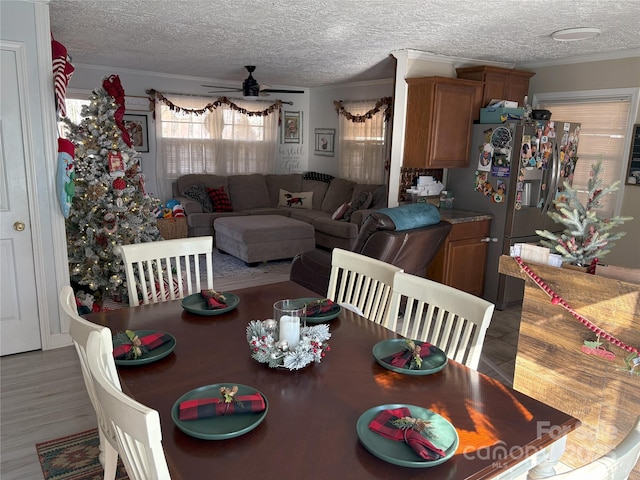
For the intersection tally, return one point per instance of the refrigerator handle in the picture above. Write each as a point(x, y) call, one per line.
point(553, 183)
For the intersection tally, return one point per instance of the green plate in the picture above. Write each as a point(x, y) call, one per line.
point(152, 355)
point(400, 453)
point(431, 364)
point(325, 317)
point(196, 304)
point(221, 427)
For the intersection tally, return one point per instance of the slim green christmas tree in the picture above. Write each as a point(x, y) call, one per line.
point(587, 236)
point(110, 206)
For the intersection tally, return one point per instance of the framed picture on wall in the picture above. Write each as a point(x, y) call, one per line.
point(137, 128)
point(292, 127)
point(325, 140)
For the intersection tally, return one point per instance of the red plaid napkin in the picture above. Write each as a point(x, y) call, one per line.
point(318, 307)
point(212, 407)
point(403, 357)
point(382, 425)
point(150, 341)
point(212, 301)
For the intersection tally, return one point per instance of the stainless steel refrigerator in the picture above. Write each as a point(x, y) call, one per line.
point(516, 170)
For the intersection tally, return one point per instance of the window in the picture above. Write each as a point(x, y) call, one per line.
point(362, 145)
point(74, 110)
point(222, 142)
point(606, 119)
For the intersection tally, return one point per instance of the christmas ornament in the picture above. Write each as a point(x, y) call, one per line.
point(119, 185)
point(116, 164)
point(95, 192)
point(110, 223)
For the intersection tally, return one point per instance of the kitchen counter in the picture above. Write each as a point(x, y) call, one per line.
point(454, 216)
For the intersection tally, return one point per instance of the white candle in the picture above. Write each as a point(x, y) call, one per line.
point(290, 330)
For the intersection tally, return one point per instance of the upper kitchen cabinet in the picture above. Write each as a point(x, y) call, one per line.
point(499, 83)
point(440, 111)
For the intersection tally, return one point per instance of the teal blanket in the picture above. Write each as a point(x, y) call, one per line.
point(414, 215)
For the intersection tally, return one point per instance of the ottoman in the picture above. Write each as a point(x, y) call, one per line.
point(259, 238)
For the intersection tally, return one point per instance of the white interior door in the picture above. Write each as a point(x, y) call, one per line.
point(19, 320)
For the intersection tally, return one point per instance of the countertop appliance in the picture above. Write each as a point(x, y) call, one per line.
point(515, 172)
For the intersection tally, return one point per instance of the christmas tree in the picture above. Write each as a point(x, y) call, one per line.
point(586, 235)
point(110, 206)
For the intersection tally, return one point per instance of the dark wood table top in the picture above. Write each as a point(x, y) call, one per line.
point(310, 428)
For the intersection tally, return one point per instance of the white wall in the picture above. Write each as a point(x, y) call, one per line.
point(323, 115)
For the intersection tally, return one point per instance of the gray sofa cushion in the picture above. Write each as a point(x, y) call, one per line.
point(340, 190)
point(291, 182)
point(379, 199)
point(248, 191)
point(319, 189)
point(209, 181)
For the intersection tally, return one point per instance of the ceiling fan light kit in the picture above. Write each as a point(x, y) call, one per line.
point(251, 89)
point(575, 34)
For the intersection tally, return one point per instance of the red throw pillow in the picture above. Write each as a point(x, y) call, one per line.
point(220, 200)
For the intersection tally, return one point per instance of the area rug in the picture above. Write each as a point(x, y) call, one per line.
point(74, 458)
point(225, 266)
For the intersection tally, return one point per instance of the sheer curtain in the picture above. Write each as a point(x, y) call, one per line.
point(362, 145)
point(223, 141)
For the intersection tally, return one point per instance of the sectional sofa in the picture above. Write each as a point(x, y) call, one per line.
point(335, 207)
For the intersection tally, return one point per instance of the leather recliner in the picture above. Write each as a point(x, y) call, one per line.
point(413, 250)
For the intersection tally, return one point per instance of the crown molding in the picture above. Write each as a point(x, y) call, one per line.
point(593, 57)
point(453, 61)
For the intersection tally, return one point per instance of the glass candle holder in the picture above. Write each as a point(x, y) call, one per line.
point(290, 315)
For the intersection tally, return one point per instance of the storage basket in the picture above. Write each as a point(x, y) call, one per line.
point(171, 228)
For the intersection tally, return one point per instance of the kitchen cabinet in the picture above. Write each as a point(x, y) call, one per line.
point(498, 83)
point(462, 260)
point(440, 112)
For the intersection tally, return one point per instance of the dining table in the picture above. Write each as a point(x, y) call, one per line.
point(309, 430)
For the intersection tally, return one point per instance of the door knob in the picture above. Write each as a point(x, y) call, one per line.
point(18, 226)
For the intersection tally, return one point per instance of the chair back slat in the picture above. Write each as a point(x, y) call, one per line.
point(361, 282)
point(453, 320)
point(136, 426)
point(167, 269)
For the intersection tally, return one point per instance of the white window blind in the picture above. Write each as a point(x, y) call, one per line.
point(603, 135)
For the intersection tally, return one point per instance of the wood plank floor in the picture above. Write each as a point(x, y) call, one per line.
point(43, 397)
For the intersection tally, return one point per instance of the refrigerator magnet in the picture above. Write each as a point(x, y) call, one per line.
point(484, 161)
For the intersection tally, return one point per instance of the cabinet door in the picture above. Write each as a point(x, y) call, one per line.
point(466, 260)
point(518, 87)
point(494, 87)
point(451, 128)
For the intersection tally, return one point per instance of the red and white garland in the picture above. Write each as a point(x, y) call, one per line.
point(558, 300)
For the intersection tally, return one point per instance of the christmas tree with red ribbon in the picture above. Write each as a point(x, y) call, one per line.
point(110, 206)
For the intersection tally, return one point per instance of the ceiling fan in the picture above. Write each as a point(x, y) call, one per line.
point(250, 87)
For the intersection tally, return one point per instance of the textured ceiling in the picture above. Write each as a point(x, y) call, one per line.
point(314, 43)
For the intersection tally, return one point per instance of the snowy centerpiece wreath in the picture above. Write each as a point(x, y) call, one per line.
point(265, 348)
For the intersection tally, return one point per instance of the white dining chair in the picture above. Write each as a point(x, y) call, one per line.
point(360, 283)
point(167, 269)
point(80, 329)
point(453, 320)
point(615, 465)
point(136, 426)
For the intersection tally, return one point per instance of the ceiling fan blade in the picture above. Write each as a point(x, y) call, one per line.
point(276, 90)
point(221, 87)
